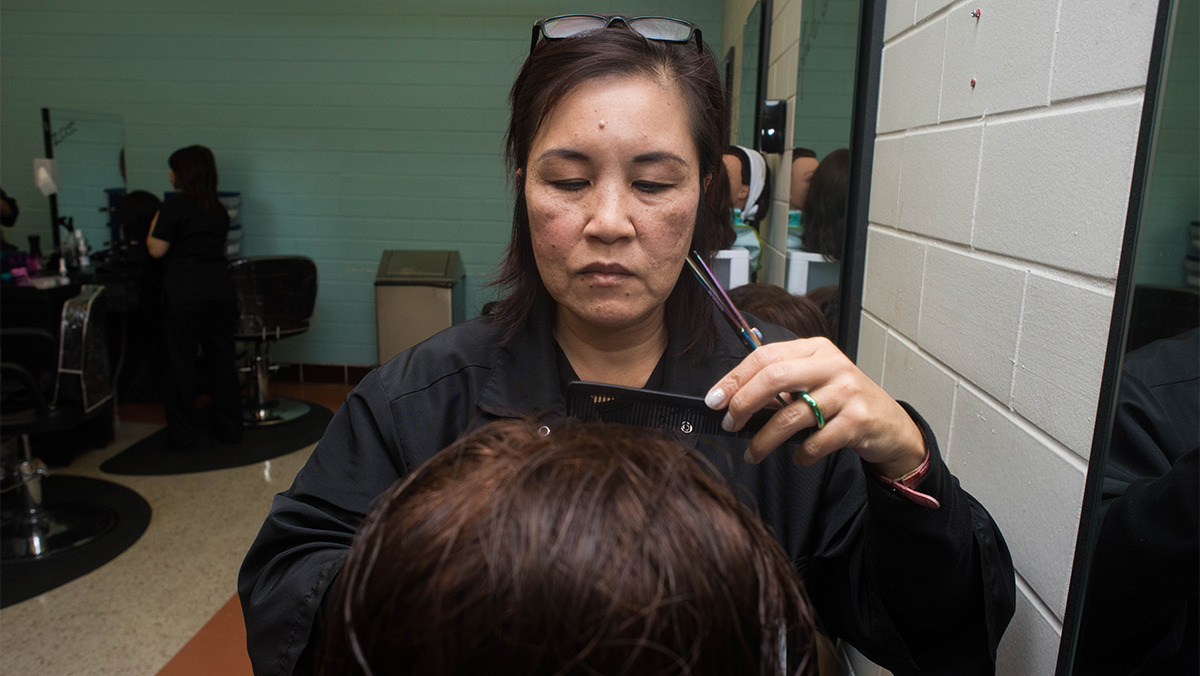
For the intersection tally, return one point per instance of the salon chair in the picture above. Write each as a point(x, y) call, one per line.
point(46, 388)
point(276, 297)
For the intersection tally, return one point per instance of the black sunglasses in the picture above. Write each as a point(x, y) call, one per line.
point(660, 28)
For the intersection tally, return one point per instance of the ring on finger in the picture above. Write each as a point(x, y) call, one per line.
point(816, 408)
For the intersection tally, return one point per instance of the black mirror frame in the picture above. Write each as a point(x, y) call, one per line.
point(867, 71)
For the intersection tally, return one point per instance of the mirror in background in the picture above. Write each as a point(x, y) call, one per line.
point(745, 169)
point(89, 150)
point(822, 117)
point(747, 91)
point(1139, 614)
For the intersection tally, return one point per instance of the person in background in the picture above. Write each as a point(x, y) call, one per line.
point(774, 304)
point(750, 194)
point(487, 560)
point(200, 303)
point(825, 206)
point(804, 163)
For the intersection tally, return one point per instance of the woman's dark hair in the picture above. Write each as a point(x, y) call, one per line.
point(799, 152)
point(196, 175)
point(135, 212)
point(764, 197)
point(774, 304)
point(554, 70)
point(593, 550)
point(825, 206)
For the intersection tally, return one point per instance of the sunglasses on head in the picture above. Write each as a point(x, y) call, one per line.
point(660, 28)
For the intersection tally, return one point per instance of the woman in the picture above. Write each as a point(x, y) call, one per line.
point(199, 300)
point(483, 562)
point(613, 145)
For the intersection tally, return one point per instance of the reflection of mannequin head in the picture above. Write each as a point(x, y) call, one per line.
point(825, 206)
point(804, 163)
point(749, 182)
point(594, 549)
point(774, 304)
point(739, 190)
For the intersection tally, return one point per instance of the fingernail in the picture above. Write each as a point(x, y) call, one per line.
point(727, 423)
point(748, 457)
point(715, 397)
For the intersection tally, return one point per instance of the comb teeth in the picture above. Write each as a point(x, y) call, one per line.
point(671, 413)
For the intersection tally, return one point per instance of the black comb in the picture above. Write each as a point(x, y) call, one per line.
point(674, 414)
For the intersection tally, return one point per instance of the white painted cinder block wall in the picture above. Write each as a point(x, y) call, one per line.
point(997, 214)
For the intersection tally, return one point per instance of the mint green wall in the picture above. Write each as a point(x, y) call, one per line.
point(825, 80)
point(349, 128)
point(1174, 190)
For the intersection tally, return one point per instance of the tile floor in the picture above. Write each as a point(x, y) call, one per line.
point(134, 614)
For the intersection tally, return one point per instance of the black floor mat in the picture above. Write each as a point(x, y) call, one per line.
point(148, 457)
point(27, 578)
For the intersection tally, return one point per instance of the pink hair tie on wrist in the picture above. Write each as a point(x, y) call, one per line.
point(906, 485)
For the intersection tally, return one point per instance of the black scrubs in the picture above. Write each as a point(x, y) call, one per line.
point(200, 308)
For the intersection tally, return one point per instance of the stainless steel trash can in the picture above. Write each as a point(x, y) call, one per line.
point(417, 294)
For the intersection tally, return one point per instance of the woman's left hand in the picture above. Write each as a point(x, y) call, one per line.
point(858, 414)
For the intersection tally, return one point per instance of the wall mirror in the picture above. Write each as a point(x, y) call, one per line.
point(748, 94)
point(837, 95)
point(88, 148)
point(1133, 603)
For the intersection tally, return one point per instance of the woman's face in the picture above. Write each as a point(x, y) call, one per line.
point(612, 188)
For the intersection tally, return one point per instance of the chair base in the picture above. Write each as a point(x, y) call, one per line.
point(51, 531)
point(278, 410)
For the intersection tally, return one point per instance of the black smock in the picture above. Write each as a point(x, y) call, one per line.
point(199, 309)
point(1146, 563)
point(915, 589)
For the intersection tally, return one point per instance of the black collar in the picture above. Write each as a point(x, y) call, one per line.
point(524, 378)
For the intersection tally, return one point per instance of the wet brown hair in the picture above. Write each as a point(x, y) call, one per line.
point(554, 70)
point(595, 549)
point(771, 303)
point(825, 206)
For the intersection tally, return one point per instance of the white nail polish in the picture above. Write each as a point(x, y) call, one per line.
point(727, 423)
point(715, 398)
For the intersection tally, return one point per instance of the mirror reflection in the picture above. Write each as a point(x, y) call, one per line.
point(89, 152)
point(1145, 554)
point(822, 119)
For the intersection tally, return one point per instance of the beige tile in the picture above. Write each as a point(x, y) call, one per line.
point(133, 614)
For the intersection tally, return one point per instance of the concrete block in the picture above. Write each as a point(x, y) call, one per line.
point(937, 183)
point(785, 29)
point(1060, 359)
point(892, 282)
point(1055, 188)
point(970, 310)
point(927, 7)
point(1102, 47)
point(1007, 51)
point(899, 17)
point(909, 376)
point(911, 79)
point(1030, 644)
point(872, 342)
point(781, 81)
point(885, 179)
point(1033, 493)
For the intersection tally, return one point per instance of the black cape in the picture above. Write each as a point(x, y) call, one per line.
point(915, 589)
